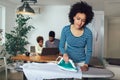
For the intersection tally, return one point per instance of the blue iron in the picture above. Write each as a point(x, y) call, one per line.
point(69, 66)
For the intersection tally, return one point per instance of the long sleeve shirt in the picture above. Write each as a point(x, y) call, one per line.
point(54, 44)
point(78, 48)
point(38, 49)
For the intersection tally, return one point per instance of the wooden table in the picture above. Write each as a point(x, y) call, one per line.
point(94, 62)
point(46, 58)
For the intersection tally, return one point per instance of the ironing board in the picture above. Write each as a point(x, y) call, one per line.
point(40, 71)
point(97, 73)
point(91, 73)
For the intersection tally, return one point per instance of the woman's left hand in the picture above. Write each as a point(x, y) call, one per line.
point(84, 67)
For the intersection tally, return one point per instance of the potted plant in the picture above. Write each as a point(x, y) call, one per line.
point(16, 40)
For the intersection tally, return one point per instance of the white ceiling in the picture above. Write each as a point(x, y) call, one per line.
point(110, 7)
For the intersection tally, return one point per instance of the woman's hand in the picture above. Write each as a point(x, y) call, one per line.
point(84, 67)
point(65, 57)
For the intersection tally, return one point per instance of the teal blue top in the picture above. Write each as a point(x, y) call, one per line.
point(78, 48)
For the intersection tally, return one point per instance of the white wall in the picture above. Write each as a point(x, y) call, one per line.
point(113, 37)
point(8, 18)
point(50, 18)
point(0, 17)
point(9, 14)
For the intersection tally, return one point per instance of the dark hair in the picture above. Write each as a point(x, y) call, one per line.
point(81, 7)
point(39, 38)
point(52, 34)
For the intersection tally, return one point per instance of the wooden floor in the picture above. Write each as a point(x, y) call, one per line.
point(11, 75)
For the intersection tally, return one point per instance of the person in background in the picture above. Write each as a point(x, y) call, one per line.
point(77, 37)
point(52, 42)
point(39, 46)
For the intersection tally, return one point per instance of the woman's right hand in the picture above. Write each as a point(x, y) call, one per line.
point(65, 57)
point(84, 67)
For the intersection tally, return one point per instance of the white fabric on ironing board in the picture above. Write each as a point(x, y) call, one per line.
point(40, 71)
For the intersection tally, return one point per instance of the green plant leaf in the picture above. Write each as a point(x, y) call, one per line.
point(16, 40)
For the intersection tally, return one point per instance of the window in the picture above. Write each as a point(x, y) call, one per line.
point(2, 25)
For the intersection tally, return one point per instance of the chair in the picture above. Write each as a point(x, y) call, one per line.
point(32, 49)
point(3, 66)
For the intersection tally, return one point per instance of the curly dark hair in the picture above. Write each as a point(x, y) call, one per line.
point(81, 7)
point(39, 38)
